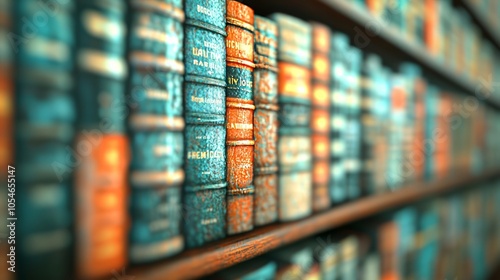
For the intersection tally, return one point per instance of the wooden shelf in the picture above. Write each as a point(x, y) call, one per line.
point(232, 250)
point(393, 47)
point(489, 30)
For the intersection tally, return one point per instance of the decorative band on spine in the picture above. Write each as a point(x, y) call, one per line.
point(194, 189)
point(155, 178)
point(152, 121)
point(269, 107)
point(144, 59)
point(240, 23)
point(240, 143)
point(265, 170)
point(162, 7)
point(207, 26)
point(241, 191)
point(240, 61)
point(240, 105)
point(267, 67)
point(102, 63)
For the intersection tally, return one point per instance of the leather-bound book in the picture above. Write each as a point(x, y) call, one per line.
point(431, 112)
point(101, 195)
point(43, 112)
point(239, 117)
point(338, 118)
point(388, 239)
point(368, 83)
point(101, 179)
point(156, 128)
point(352, 136)
point(294, 96)
point(415, 153)
point(320, 116)
point(265, 121)
point(204, 199)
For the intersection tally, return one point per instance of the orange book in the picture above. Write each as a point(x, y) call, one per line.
point(101, 213)
point(239, 117)
point(431, 24)
point(320, 116)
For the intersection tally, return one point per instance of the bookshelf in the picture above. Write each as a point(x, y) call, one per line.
point(344, 16)
point(236, 249)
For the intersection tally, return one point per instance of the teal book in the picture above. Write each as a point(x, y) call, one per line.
point(204, 195)
point(294, 132)
point(338, 116)
point(43, 101)
point(156, 128)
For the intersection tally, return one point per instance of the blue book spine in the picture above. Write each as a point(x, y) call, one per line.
point(204, 200)
point(44, 116)
point(156, 126)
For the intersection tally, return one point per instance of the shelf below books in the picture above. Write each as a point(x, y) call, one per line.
point(375, 36)
point(230, 251)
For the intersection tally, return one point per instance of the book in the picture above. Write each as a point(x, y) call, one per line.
point(156, 126)
point(320, 116)
point(328, 256)
point(388, 238)
point(338, 109)
point(101, 205)
point(204, 196)
point(101, 143)
point(295, 259)
point(352, 136)
point(265, 121)
point(294, 97)
point(44, 117)
point(239, 117)
point(349, 250)
point(370, 74)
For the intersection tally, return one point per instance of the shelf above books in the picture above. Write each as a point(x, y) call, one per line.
point(482, 22)
point(379, 37)
point(236, 249)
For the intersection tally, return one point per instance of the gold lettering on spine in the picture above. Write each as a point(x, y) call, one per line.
point(204, 154)
point(240, 126)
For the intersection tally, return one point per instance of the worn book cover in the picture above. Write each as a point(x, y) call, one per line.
point(265, 90)
point(320, 116)
point(294, 95)
point(204, 199)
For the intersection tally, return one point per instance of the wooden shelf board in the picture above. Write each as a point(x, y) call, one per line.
point(235, 249)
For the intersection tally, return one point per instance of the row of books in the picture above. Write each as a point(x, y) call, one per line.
point(163, 125)
point(456, 236)
point(446, 31)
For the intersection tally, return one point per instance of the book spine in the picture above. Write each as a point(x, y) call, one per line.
point(369, 86)
point(387, 241)
point(156, 126)
point(204, 202)
point(101, 143)
point(44, 162)
point(353, 130)
point(265, 121)
point(320, 116)
point(239, 114)
point(294, 95)
point(338, 108)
